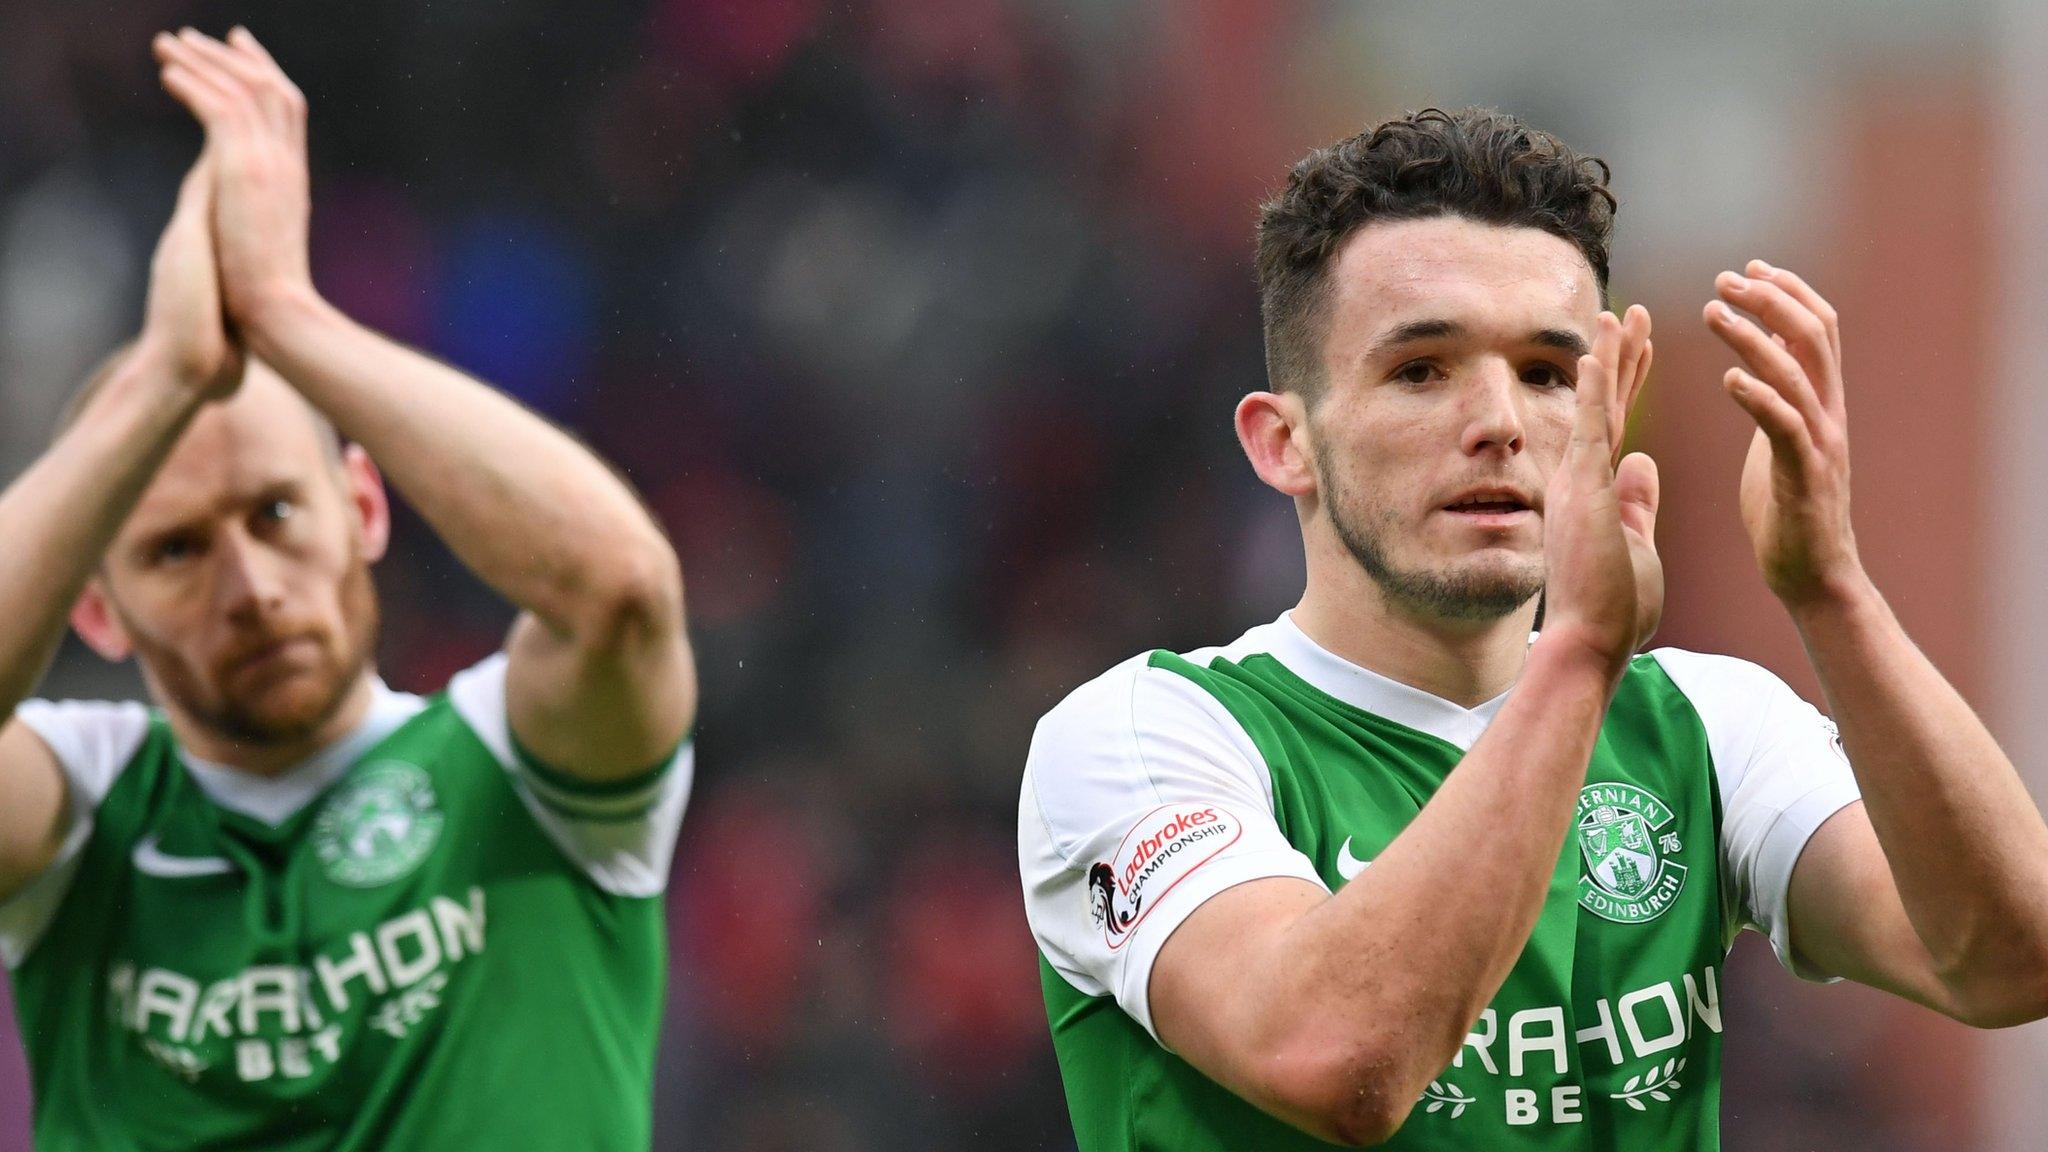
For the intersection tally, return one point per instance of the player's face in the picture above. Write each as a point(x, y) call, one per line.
point(241, 581)
point(1447, 402)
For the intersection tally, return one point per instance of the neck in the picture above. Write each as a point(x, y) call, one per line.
point(271, 758)
point(1467, 662)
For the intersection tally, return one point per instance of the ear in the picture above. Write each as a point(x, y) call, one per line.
point(364, 486)
point(94, 619)
point(1272, 427)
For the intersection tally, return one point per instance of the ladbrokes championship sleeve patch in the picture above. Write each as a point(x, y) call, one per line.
point(1163, 848)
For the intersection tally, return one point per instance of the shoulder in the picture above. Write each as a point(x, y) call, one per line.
point(1126, 713)
point(1145, 730)
point(1718, 679)
point(621, 834)
point(477, 696)
point(1150, 691)
point(93, 740)
point(1757, 727)
point(1738, 701)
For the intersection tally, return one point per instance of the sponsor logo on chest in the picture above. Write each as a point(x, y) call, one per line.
point(289, 1022)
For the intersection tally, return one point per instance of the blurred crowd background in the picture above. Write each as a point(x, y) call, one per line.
point(919, 323)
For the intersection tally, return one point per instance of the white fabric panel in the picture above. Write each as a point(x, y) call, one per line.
point(1782, 773)
point(93, 741)
point(623, 841)
point(1142, 780)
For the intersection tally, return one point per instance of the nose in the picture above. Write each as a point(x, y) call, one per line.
point(1493, 412)
point(251, 578)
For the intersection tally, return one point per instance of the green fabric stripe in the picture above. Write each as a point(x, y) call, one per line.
point(562, 781)
point(592, 815)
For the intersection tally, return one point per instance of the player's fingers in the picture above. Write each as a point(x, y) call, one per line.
point(1635, 389)
point(245, 42)
point(1592, 429)
point(1634, 325)
point(256, 66)
point(1637, 488)
point(1774, 415)
point(257, 80)
point(1806, 337)
point(290, 105)
point(240, 37)
point(179, 51)
point(1768, 361)
point(1803, 292)
point(202, 98)
point(1635, 331)
point(184, 48)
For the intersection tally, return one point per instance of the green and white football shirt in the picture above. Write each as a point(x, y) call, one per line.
point(1171, 778)
point(418, 939)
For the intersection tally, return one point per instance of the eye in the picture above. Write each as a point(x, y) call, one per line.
point(1417, 372)
point(175, 550)
point(1547, 376)
point(277, 511)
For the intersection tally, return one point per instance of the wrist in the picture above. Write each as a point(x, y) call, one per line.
point(1563, 653)
point(1837, 601)
point(155, 363)
point(270, 318)
point(144, 383)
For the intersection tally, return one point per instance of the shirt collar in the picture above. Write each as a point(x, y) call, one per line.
point(277, 798)
point(1364, 689)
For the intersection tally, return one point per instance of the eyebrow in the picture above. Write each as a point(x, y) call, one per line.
point(1414, 331)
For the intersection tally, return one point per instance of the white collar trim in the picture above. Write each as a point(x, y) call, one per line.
point(276, 799)
point(1365, 689)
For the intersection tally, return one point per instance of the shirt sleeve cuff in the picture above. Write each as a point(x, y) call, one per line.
point(1783, 845)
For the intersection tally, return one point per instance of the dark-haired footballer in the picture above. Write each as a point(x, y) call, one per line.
point(1388, 871)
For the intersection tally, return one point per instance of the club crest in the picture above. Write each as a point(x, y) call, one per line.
point(1627, 838)
point(378, 825)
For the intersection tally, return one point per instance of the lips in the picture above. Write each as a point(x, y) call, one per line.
point(272, 652)
point(1490, 502)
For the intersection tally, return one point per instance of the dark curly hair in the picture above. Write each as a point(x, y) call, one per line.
point(1480, 164)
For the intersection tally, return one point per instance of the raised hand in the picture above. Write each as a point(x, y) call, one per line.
point(1604, 586)
point(1795, 483)
point(182, 325)
point(255, 121)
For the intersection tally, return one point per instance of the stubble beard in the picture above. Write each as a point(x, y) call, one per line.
point(251, 718)
point(1452, 594)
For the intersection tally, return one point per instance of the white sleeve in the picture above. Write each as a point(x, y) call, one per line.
point(1143, 797)
point(93, 741)
point(622, 836)
point(1782, 773)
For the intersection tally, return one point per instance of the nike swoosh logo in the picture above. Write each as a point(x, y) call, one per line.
point(1349, 866)
point(152, 860)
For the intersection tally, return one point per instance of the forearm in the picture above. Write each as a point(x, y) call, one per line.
point(1398, 956)
point(1966, 846)
point(532, 512)
point(59, 516)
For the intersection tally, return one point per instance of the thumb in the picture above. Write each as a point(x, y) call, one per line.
point(195, 191)
point(190, 222)
point(1635, 486)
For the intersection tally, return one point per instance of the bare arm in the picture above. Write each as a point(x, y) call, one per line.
point(59, 516)
point(1333, 1012)
point(1936, 888)
point(600, 682)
